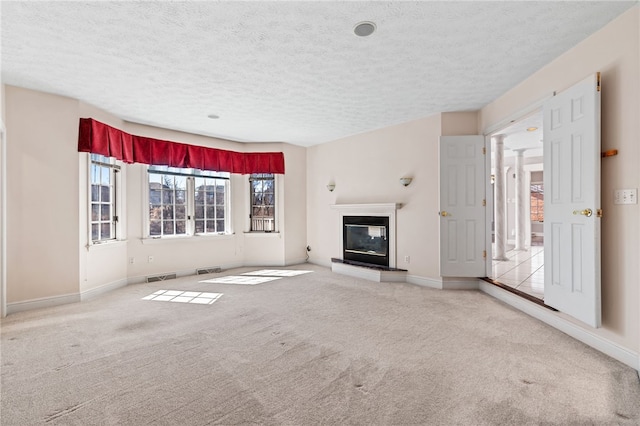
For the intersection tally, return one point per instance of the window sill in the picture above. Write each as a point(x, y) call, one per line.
point(261, 234)
point(111, 244)
point(186, 238)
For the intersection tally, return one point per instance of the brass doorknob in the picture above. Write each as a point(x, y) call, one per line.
point(585, 212)
point(445, 214)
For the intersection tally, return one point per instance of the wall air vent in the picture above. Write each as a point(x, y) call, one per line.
point(212, 270)
point(155, 278)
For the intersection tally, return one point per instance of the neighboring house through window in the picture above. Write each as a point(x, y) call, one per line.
point(187, 202)
point(537, 202)
point(104, 216)
point(262, 198)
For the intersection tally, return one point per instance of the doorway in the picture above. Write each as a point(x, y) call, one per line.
point(518, 213)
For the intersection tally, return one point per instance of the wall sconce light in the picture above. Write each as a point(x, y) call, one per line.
point(331, 187)
point(405, 181)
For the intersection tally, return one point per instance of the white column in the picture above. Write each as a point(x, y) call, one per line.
point(521, 200)
point(499, 206)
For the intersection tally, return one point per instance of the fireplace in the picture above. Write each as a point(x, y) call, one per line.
point(366, 239)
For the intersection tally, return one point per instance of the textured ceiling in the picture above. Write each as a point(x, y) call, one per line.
point(286, 71)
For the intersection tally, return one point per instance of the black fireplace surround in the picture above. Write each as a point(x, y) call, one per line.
point(366, 239)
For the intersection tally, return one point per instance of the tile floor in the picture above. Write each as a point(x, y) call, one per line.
point(523, 271)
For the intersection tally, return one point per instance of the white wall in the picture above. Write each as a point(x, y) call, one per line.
point(615, 52)
point(42, 195)
point(50, 259)
point(366, 168)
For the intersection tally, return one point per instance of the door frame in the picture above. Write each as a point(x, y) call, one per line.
point(487, 132)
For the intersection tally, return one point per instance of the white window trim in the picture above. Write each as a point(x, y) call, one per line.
point(119, 207)
point(278, 205)
point(191, 235)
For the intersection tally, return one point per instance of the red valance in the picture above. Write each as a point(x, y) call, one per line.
point(98, 138)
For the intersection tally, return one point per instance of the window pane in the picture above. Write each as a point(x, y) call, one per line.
point(180, 183)
point(105, 231)
point(220, 190)
point(199, 212)
point(210, 199)
point(199, 226)
point(95, 212)
point(167, 227)
point(155, 178)
point(95, 231)
point(155, 196)
point(167, 196)
point(211, 226)
point(220, 212)
point(95, 192)
point(268, 199)
point(106, 193)
point(181, 197)
point(181, 212)
point(200, 195)
point(211, 212)
point(257, 211)
point(155, 227)
point(220, 226)
point(181, 227)
point(268, 211)
point(105, 176)
point(105, 212)
point(155, 212)
point(168, 212)
point(95, 174)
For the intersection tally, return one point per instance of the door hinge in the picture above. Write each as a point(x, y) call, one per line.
point(599, 213)
point(484, 150)
point(598, 83)
point(484, 254)
point(484, 202)
point(115, 218)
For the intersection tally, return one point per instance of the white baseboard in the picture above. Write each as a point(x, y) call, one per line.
point(444, 284)
point(43, 302)
point(293, 262)
point(588, 337)
point(424, 282)
point(105, 288)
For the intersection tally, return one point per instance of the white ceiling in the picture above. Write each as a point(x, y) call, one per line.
point(286, 71)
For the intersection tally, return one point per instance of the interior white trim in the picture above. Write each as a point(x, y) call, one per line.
point(375, 209)
point(43, 302)
point(3, 221)
point(606, 346)
point(105, 288)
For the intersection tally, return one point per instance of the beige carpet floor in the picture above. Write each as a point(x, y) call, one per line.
point(317, 348)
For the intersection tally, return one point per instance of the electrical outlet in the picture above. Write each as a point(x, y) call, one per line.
point(625, 196)
point(151, 259)
point(132, 260)
point(407, 259)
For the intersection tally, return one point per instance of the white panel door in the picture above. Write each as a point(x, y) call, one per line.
point(572, 201)
point(462, 206)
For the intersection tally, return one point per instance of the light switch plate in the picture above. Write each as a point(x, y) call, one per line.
point(625, 196)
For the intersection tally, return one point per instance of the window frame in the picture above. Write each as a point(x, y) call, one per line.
point(115, 171)
point(190, 176)
point(539, 204)
point(273, 205)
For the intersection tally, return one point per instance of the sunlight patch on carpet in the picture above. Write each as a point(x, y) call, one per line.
point(236, 279)
point(277, 272)
point(195, 297)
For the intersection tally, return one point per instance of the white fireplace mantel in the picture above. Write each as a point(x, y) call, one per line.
point(377, 209)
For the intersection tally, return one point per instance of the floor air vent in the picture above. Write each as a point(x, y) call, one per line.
point(161, 278)
point(213, 270)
